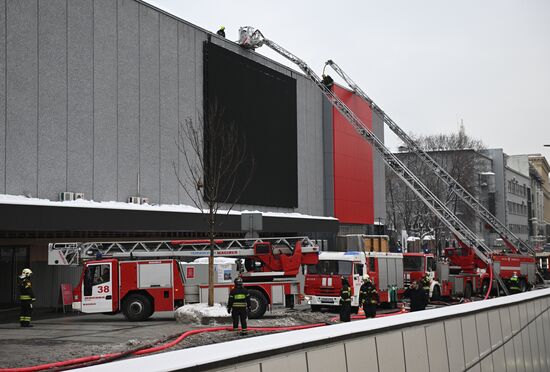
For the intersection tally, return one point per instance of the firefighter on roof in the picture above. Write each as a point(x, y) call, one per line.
point(26, 296)
point(221, 31)
point(238, 305)
point(368, 297)
point(345, 301)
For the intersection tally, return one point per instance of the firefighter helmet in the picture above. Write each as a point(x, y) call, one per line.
point(366, 278)
point(26, 272)
point(238, 281)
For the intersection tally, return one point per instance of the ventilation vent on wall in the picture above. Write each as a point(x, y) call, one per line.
point(134, 200)
point(66, 196)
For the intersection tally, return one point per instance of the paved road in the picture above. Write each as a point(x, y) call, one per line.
point(64, 337)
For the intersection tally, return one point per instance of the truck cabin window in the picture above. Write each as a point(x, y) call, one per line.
point(95, 275)
point(331, 267)
point(413, 263)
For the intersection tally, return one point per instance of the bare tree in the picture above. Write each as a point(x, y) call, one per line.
point(217, 170)
point(458, 154)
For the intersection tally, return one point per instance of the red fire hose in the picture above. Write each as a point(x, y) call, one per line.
point(490, 281)
point(96, 359)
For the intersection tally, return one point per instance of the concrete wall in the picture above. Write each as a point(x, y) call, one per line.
point(91, 94)
point(505, 334)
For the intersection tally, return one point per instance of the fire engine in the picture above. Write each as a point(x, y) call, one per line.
point(470, 275)
point(251, 38)
point(323, 280)
point(417, 265)
point(143, 277)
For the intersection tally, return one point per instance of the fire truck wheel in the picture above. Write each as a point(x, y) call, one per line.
point(468, 291)
point(436, 293)
point(136, 307)
point(258, 304)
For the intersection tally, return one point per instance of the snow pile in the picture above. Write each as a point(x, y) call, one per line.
point(193, 313)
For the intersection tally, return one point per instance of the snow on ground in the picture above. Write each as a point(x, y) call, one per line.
point(81, 203)
point(193, 313)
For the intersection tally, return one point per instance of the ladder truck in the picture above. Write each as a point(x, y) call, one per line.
point(140, 278)
point(522, 253)
point(251, 38)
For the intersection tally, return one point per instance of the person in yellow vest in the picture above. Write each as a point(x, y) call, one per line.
point(26, 296)
point(238, 305)
point(514, 284)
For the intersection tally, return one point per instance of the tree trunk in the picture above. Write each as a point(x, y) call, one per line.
point(211, 222)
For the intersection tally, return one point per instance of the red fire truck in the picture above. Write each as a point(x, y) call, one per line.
point(141, 278)
point(470, 275)
point(323, 280)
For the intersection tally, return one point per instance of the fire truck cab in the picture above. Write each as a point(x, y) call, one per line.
point(416, 265)
point(323, 280)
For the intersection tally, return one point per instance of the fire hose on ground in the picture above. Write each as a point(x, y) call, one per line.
point(152, 347)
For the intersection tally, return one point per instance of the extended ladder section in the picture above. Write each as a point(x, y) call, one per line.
point(74, 253)
point(511, 240)
point(252, 39)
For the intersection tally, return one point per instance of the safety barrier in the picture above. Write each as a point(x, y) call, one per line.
point(508, 333)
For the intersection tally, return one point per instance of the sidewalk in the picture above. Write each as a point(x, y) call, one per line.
point(11, 315)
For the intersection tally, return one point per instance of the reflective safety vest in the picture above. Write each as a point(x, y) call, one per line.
point(25, 287)
point(345, 294)
point(238, 298)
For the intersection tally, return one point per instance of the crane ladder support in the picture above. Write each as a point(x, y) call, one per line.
point(252, 39)
point(510, 239)
point(73, 253)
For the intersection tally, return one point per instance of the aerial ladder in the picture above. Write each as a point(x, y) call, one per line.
point(274, 257)
point(514, 243)
point(251, 38)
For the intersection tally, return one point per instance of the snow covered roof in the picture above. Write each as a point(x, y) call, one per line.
point(178, 208)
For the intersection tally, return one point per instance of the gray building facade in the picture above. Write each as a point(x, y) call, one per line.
point(91, 96)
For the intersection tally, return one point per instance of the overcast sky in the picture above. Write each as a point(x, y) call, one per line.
point(429, 64)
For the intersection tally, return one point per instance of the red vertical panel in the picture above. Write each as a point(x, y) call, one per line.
point(353, 167)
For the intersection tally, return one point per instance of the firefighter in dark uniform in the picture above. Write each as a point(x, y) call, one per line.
point(221, 31)
point(26, 296)
point(345, 301)
point(368, 297)
point(514, 284)
point(238, 305)
point(426, 282)
point(418, 296)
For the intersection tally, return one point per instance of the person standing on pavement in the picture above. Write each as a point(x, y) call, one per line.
point(418, 296)
point(238, 305)
point(368, 297)
point(26, 296)
point(514, 284)
point(345, 301)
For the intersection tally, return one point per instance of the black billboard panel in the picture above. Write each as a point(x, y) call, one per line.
point(262, 103)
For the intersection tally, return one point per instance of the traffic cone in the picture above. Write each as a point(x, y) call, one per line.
point(360, 311)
